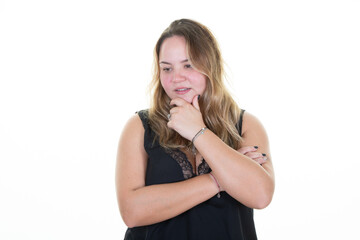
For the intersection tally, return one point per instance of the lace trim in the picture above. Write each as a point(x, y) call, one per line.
point(203, 167)
point(187, 169)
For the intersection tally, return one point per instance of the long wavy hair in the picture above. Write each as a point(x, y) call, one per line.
point(220, 112)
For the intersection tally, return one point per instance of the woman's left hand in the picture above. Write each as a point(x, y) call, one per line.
point(186, 118)
point(251, 152)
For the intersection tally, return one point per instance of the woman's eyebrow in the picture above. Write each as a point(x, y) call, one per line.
point(185, 60)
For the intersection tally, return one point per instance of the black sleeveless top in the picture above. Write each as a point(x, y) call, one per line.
point(221, 218)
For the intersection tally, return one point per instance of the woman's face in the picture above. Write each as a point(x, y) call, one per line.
point(178, 78)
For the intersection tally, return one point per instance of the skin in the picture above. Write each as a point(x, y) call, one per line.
point(177, 72)
point(239, 173)
point(257, 182)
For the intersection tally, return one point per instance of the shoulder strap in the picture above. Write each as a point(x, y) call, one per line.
point(149, 136)
point(239, 123)
point(144, 116)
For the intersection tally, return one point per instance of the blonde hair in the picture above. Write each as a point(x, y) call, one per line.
point(220, 112)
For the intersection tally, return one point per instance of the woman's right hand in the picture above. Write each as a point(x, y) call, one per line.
point(250, 151)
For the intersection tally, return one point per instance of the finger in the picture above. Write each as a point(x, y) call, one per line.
point(261, 160)
point(178, 102)
point(170, 123)
point(195, 102)
point(254, 155)
point(174, 110)
point(244, 150)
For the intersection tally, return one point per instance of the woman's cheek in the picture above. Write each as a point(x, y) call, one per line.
point(165, 83)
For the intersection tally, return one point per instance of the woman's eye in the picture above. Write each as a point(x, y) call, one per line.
point(187, 66)
point(166, 69)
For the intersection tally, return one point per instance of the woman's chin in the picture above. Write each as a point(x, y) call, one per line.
point(186, 98)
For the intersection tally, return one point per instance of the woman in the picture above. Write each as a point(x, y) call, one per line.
point(165, 188)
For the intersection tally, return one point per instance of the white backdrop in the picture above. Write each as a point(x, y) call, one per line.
point(73, 72)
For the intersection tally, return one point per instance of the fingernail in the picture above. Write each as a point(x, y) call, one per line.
point(256, 147)
point(198, 97)
point(264, 154)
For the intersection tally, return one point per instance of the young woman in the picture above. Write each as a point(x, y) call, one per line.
point(194, 165)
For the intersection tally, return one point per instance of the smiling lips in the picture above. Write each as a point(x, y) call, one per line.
point(182, 90)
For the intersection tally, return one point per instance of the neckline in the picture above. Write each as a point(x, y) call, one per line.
point(186, 167)
point(188, 162)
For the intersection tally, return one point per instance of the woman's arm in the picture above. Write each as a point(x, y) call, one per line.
point(143, 205)
point(240, 176)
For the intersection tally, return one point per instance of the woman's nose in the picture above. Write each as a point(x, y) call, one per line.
point(178, 76)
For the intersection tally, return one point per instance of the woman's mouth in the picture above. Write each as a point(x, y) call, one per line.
point(182, 90)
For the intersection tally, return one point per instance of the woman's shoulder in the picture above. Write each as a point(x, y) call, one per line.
point(251, 122)
point(139, 118)
point(138, 121)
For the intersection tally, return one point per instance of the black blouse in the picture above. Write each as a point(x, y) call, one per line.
point(221, 218)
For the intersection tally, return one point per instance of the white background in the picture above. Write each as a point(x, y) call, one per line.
point(73, 72)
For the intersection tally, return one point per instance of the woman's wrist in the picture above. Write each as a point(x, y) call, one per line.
point(200, 132)
point(217, 184)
